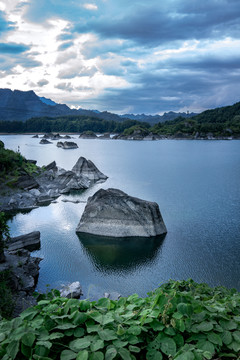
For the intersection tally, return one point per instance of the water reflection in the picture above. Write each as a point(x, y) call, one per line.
point(113, 254)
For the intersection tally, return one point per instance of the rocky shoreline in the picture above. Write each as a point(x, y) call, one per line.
point(31, 191)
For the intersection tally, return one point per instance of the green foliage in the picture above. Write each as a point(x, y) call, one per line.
point(136, 129)
point(4, 235)
point(6, 300)
point(180, 320)
point(76, 124)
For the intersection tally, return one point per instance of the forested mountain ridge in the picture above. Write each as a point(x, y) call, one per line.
point(22, 105)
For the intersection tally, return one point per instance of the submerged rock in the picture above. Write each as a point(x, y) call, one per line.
point(113, 213)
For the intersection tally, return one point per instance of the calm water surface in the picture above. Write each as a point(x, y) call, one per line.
point(195, 183)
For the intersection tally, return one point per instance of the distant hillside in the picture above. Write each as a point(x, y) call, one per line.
point(153, 119)
point(223, 122)
point(23, 105)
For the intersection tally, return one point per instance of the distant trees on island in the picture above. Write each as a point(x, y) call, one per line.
point(223, 121)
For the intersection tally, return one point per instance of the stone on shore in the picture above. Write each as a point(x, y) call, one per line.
point(113, 213)
point(29, 241)
point(71, 291)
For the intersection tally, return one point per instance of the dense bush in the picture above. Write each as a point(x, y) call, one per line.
point(180, 320)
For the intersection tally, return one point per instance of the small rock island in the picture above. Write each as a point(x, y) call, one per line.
point(113, 213)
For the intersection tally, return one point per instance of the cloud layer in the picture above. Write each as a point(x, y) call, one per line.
point(123, 56)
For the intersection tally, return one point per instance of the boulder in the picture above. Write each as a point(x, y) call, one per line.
point(113, 213)
point(88, 135)
point(45, 141)
point(35, 136)
point(67, 145)
point(71, 291)
point(29, 241)
point(87, 168)
point(26, 182)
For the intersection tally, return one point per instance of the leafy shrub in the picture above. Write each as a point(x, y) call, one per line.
point(180, 320)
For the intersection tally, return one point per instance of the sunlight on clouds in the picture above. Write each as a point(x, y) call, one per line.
point(90, 6)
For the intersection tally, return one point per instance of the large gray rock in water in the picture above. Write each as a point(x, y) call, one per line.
point(87, 168)
point(114, 213)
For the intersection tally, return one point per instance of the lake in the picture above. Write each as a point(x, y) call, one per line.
point(197, 187)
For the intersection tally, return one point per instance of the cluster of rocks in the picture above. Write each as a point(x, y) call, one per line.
point(50, 136)
point(23, 269)
point(67, 145)
point(49, 184)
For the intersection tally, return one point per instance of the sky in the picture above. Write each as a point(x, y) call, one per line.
point(138, 56)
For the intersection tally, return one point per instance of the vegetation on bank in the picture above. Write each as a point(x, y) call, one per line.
point(12, 165)
point(224, 121)
point(180, 320)
point(76, 124)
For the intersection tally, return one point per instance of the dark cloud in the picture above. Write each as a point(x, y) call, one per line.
point(153, 26)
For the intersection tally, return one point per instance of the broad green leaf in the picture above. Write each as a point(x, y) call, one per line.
point(79, 318)
point(97, 316)
point(29, 314)
point(55, 335)
point(26, 351)
point(93, 328)
point(125, 354)
point(228, 324)
point(110, 354)
point(227, 337)
point(107, 335)
point(156, 325)
point(96, 345)
point(97, 356)
point(185, 309)
point(46, 344)
point(82, 355)
point(168, 346)
point(79, 344)
point(119, 343)
point(134, 349)
point(177, 315)
point(28, 339)
point(215, 339)
point(12, 349)
point(103, 303)
point(207, 355)
point(134, 330)
point(42, 351)
point(120, 331)
point(154, 355)
point(68, 355)
point(66, 326)
point(79, 332)
point(206, 346)
point(205, 326)
point(170, 331)
point(235, 346)
point(188, 355)
point(107, 319)
point(236, 336)
point(2, 337)
point(84, 305)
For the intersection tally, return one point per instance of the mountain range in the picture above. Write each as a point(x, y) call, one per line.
point(23, 105)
